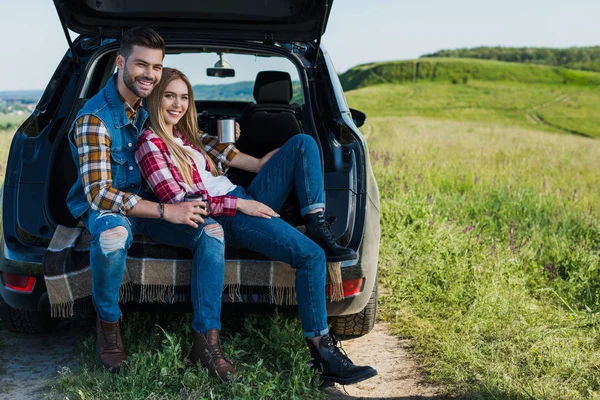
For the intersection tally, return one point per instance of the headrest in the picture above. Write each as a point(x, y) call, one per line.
point(273, 87)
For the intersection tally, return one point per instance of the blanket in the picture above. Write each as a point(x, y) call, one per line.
point(160, 273)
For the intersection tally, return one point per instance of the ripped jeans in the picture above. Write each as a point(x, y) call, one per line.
point(112, 234)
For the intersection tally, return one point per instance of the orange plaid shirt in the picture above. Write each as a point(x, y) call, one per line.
point(93, 145)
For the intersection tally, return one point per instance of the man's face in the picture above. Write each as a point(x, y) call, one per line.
point(141, 70)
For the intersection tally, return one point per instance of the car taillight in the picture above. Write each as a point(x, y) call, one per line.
point(19, 283)
point(351, 287)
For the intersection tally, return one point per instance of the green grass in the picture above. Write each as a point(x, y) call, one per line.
point(9, 122)
point(268, 352)
point(463, 70)
point(5, 141)
point(567, 108)
point(490, 254)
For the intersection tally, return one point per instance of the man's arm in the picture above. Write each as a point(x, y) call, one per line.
point(227, 155)
point(221, 153)
point(93, 146)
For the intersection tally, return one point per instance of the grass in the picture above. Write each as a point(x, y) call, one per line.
point(565, 108)
point(268, 352)
point(9, 122)
point(5, 141)
point(490, 253)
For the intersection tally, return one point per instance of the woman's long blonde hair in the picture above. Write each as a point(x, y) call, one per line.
point(187, 126)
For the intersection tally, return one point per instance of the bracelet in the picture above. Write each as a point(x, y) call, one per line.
point(161, 210)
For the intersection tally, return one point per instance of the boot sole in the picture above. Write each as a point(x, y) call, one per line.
point(348, 381)
point(341, 258)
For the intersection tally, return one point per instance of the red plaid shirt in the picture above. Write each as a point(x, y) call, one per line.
point(165, 179)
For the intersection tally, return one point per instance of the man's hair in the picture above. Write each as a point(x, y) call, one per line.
point(142, 36)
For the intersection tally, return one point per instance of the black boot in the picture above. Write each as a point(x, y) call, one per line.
point(335, 366)
point(320, 232)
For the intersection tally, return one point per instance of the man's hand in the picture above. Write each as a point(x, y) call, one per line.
point(255, 209)
point(262, 161)
point(238, 131)
point(186, 213)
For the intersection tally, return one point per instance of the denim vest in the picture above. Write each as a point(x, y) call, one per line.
point(108, 107)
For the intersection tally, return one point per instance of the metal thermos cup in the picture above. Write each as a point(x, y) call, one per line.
point(226, 130)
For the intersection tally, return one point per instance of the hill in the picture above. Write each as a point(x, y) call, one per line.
point(583, 58)
point(460, 70)
point(239, 91)
point(530, 96)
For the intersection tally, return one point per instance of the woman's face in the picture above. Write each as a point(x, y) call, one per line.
point(174, 102)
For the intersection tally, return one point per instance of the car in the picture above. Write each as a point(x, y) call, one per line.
point(272, 42)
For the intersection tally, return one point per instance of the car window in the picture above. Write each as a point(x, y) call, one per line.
point(238, 88)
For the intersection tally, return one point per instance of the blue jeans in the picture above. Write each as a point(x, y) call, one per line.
point(298, 164)
point(112, 234)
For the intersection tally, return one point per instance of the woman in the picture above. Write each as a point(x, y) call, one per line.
point(173, 160)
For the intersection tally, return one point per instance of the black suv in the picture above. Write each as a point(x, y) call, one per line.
point(267, 40)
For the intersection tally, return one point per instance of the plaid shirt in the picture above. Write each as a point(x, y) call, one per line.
point(166, 180)
point(93, 145)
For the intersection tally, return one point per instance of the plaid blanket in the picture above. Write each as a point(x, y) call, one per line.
point(160, 273)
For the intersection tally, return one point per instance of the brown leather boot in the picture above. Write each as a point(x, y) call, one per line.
point(207, 350)
point(109, 347)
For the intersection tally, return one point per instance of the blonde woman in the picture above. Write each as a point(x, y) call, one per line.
point(172, 158)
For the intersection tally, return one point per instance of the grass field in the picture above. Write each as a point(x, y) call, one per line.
point(490, 253)
point(566, 107)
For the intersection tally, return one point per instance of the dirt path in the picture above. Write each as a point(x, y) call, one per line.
point(27, 362)
point(398, 375)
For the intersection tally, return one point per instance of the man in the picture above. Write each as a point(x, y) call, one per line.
point(109, 200)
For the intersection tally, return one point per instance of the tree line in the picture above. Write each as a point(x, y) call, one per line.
point(582, 58)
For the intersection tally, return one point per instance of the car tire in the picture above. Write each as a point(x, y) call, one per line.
point(25, 321)
point(361, 323)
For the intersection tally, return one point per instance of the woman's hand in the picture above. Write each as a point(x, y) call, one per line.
point(262, 161)
point(186, 213)
point(255, 209)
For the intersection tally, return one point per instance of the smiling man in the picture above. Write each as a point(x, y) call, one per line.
point(109, 200)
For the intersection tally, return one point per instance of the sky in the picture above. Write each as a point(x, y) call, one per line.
point(359, 31)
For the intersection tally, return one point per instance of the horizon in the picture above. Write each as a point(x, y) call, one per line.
point(26, 91)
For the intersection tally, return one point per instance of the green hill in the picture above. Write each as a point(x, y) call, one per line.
point(583, 58)
point(531, 96)
point(239, 91)
point(461, 70)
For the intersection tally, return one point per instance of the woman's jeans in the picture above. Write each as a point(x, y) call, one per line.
point(108, 251)
point(296, 164)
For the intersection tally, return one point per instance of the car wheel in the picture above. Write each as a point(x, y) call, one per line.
point(358, 324)
point(25, 321)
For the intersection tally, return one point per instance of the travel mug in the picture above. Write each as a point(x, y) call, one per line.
point(226, 130)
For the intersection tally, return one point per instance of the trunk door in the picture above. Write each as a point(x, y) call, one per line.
point(281, 20)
